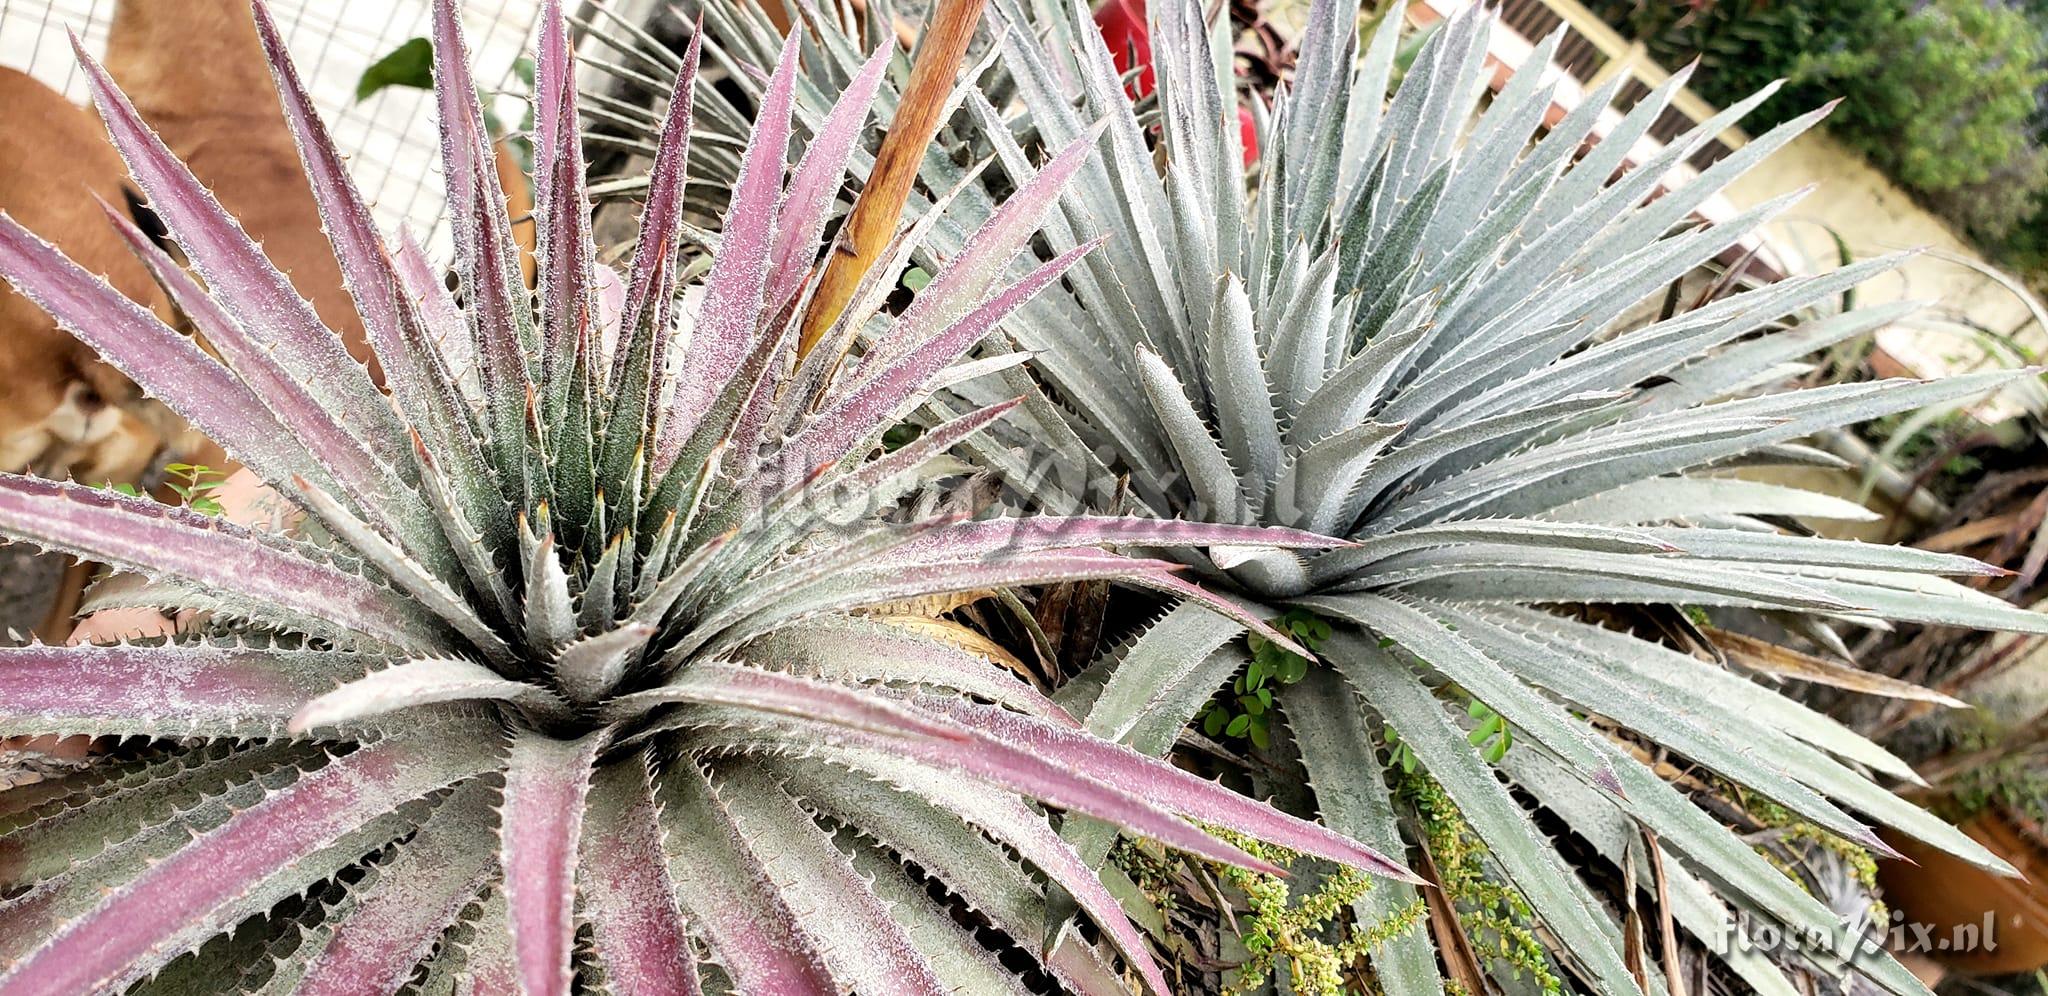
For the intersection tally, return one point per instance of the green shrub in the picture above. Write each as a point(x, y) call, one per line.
point(1943, 95)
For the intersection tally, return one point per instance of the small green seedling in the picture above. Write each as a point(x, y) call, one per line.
point(196, 485)
point(1246, 712)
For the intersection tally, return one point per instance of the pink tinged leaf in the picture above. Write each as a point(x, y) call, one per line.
point(654, 608)
point(1038, 844)
point(814, 570)
point(156, 691)
point(728, 894)
point(378, 494)
point(640, 360)
point(501, 325)
point(432, 591)
point(734, 290)
point(863, 945)
point(250, 289)
point(843, 648)
point(651, 281)
point(545, 783)
point(890, 382)
point(968, 276)
point(1153, 779)
point(464, 146)
point(1007, 819)
point(489, 967)
point(365, 264)
point(396, 923)
point(120, 814)
point(854, 589)
point(879, 474)
point(500, 321)
point(249, 359)
point(1063, 785)
point(765, 370)
point(736, 422)
point(142, 535)
point(1026, 565)
point(890, 583)
point(808, 202)
point(627, 894)
point(588, 669)
point(999, 537)
point(172, 906)
point(815, 372)
point(409, 683)
point(457, 390)
point(554, 82)
point(445, 325)
point(714, 683)
point(1160, 578)
point(392, 321)
point(168, 366)
point(564, 250)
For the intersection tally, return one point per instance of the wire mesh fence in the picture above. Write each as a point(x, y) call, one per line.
point(390, 138)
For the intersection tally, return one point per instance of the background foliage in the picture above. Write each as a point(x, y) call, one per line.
point(1943, 95)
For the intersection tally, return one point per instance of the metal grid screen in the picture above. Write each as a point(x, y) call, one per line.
point(393, 148)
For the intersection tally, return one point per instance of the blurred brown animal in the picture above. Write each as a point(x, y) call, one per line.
point(62, 410)
point(195, 70)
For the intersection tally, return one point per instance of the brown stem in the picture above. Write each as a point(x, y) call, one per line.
point(1461, 962)
point(1673, 981)
point(873, 221)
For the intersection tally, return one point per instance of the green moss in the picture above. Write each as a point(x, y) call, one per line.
point(1495, 916)
point(1280, 927)
point(2016, 782)
point(1794, 830)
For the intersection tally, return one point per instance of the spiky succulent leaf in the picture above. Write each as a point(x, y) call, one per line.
point(572, 644)
point(1406, 325)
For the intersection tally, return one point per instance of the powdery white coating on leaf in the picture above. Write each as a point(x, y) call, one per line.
point(1407, 331)
point(252, 291)
point(628, 897)
point(142, 535)
point(607, 528)
point(863, 945)
point(127, 934)
point(135, 689)
point(394, 920)
point(406, 684)
point(542, 819)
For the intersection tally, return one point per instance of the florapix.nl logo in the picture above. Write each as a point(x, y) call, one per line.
point(1859, 936)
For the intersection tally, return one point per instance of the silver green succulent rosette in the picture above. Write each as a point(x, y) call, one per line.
point(565, 681)
point(1416, 323)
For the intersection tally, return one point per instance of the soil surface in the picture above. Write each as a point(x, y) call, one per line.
point(26, 578)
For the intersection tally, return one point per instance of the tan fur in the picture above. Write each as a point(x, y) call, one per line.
point(195, 70)
point(63, 412)
point(58, 401)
